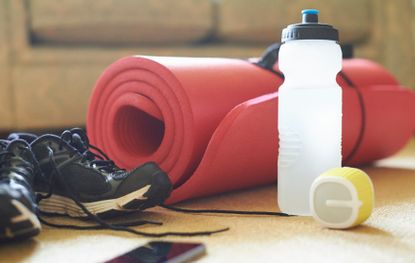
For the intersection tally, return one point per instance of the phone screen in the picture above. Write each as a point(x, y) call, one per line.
point(157, 252)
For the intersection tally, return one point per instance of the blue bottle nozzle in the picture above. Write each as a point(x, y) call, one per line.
point(310, 15)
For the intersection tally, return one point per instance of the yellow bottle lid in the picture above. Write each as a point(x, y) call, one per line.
point(342, 198)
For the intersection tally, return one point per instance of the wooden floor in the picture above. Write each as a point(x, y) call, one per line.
point(388, 235)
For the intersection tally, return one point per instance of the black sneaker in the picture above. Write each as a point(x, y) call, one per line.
point(18, 218)
point(78, 179)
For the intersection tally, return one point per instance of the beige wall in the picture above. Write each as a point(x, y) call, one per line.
point(413, 20)
point(52, 52)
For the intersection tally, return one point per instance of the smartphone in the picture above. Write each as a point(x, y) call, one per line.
point(157, 252)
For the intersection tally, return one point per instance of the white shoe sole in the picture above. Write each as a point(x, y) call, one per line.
point(24, 215)
point(57, 204)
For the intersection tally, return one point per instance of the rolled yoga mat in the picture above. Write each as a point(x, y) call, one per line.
point(211, 123)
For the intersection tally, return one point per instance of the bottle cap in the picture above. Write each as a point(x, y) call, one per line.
point(342, 198)
point(310, 28)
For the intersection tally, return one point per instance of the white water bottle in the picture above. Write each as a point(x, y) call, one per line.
point(309, 109)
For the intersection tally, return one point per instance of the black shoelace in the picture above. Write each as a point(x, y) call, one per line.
point(222, 211)
point(102, 224)
point(107, 161)
point(5, 159)
point(101, 161)
point(96, 227)
point(97, 159)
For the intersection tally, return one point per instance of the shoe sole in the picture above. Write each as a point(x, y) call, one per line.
point(28, 221)
point(145, 197)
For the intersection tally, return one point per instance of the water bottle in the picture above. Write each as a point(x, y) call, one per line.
point(309, 109)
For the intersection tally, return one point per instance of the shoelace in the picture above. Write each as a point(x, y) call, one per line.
point(135, 223)
point(102, 161)
point(107, 160)
point(102, 224)
point(222, 211)
point(96, 227)
point(98, 159)
point(5, 158)
point(50, 192)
